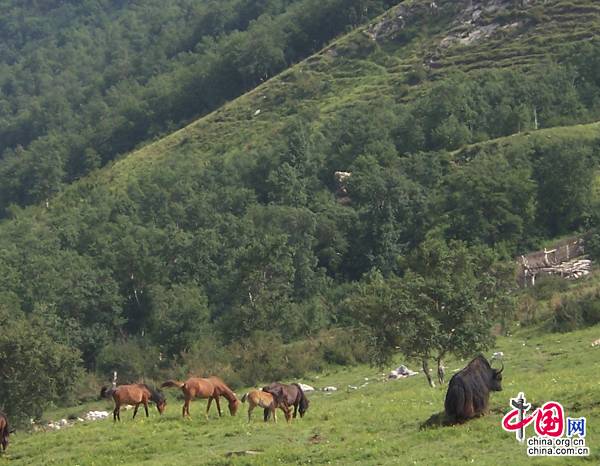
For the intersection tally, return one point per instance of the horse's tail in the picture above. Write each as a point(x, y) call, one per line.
point(106, 392)
point(244, 398)
point(172, 383)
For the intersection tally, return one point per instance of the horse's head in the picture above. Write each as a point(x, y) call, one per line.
point(160, 400)
point(233, 406)
point(304, 403)
point(161, 406)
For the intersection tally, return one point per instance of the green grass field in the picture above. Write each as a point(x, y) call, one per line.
point(377, 424)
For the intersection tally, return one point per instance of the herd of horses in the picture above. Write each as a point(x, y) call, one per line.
point(270, 398)
point(467, 396)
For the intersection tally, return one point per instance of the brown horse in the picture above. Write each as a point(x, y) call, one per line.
point(4, 431)
point(221, 389)
point(211, 388)
point(134, 394)
point(264, 400)
point(288, 395)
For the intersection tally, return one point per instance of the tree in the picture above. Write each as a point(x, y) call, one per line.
point(564, 174)
point(490, 199)
point(35, 370)
point(179, 316)
point(440, 306)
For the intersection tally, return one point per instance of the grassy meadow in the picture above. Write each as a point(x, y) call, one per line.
point(376, 424)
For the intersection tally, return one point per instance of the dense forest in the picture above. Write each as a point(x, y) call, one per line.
point(83, 82)
point(213, 249)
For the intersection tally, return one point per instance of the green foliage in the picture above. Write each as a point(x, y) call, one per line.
point(179, 316)
point(443, 305)
point(35, 370)
point(81, 84)
point(490, 199)
point(133, 359)
point(565, 174)
point(577, 311)
point(233, 231)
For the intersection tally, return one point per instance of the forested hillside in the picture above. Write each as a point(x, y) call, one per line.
point(467, 127)
point(82, 82)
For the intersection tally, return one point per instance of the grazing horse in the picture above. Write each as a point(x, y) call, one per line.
point(211, 388)
point(221, 389)
point(134, 394)
point(288, 395)
point(4, 431)
point(264, 400)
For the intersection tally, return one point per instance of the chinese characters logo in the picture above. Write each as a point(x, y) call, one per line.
point(550, 427)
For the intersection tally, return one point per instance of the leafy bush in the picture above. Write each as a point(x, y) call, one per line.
point(577, 312)
point(134, 360)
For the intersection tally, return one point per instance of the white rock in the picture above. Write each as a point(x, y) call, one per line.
point(257, 112)
point(401, 372)
point(306, 388)
point(330, 389)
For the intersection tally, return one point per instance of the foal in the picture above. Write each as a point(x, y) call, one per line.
point(267, 401)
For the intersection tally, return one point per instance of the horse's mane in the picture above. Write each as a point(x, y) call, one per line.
point(155, 395)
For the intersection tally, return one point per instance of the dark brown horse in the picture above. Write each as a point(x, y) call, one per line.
point(4, 431)
point(211, 388)
point(134, 394)
point(288, 395)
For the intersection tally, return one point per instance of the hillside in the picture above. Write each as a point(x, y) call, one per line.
point(470, 132)
point(376, 424)
point(82, 83)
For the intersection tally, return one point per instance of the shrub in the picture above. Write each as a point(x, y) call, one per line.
point(134, 360)
point(577, 312)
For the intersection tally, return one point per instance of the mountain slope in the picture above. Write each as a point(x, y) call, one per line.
point(206, 249)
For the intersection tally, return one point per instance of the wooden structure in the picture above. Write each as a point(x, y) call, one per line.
point(566, 259)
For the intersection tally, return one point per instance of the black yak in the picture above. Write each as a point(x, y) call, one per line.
point(469, 390)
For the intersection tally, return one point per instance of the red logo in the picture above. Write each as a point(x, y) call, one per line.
point(549, 420)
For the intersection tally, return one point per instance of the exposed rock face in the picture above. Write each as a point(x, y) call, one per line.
point(397, 19)
point(469, 26)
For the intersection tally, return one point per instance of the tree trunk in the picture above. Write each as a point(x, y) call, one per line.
point(441, 370)
point(426, 371)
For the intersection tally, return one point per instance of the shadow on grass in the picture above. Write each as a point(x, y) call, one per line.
point(435, 421)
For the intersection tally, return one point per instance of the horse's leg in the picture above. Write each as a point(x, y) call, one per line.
point(185, 408)
point(250, 408)
point(287, 413)
point(295, 409)
point(146, 407)
point(218, 405)
point(266, 414)
point(135, 410)
point(274, 411)
point(208, 406)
